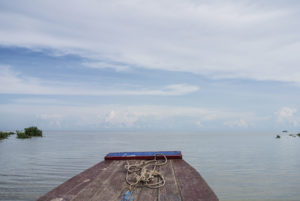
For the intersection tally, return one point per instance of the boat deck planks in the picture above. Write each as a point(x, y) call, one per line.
point(100, 183)
point(170, 191)
point(73, 186)
point(192, 186)
point(106, 180)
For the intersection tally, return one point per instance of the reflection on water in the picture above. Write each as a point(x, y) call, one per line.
point(237, 167)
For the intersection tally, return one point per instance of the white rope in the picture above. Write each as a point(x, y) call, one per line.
point(145, 174)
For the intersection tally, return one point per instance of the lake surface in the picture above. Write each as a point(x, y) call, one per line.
point(238, 167)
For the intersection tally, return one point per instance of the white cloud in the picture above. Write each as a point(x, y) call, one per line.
point(288, 114)
point(103, 65)
point(117, 116)
point(12, 82)
point(121, 118)
point(111, 115)
point(219, 39)
point(236, 123)
point(175, 89)
point(199, 123)
point(50, 119)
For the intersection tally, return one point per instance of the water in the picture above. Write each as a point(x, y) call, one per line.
point(238, 167)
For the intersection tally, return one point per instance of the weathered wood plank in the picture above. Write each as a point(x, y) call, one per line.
point(102, 182)
point(68, 189)
point(106, 181)
point(170, 191)
point(113, 187)
point(191, 185)
point(146, 194)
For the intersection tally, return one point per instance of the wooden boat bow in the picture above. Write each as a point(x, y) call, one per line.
point(106, 181)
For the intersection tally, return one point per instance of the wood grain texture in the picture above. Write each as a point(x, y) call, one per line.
point(106, 181)
point(170, 191)
point(69, 189)
point(100, 183)
point(191, 185)
point(111, 187)
point(147, 194)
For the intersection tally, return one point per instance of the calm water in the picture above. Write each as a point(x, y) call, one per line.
point(237, 167)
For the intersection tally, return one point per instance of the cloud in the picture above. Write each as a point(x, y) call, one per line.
point(121, 118)
point(117, 116)
point(286, 113)
point(237, 123)
point(289, 115)
point(219, 39)
point(50, 120)
point(103, 65)
point(199, 123)
point(12, 82)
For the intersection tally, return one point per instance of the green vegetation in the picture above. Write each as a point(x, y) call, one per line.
point(4, 135)
point(33, 131)
point(22, 135)
point(27, 133)
point(291, 135)
point(30, 132)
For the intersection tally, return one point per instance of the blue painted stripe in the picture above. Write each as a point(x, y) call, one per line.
point(127, 196)
point(126, 154)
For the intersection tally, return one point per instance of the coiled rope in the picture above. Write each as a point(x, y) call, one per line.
point(143, 174)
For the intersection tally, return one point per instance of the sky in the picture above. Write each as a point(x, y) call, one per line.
point(150, 65)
